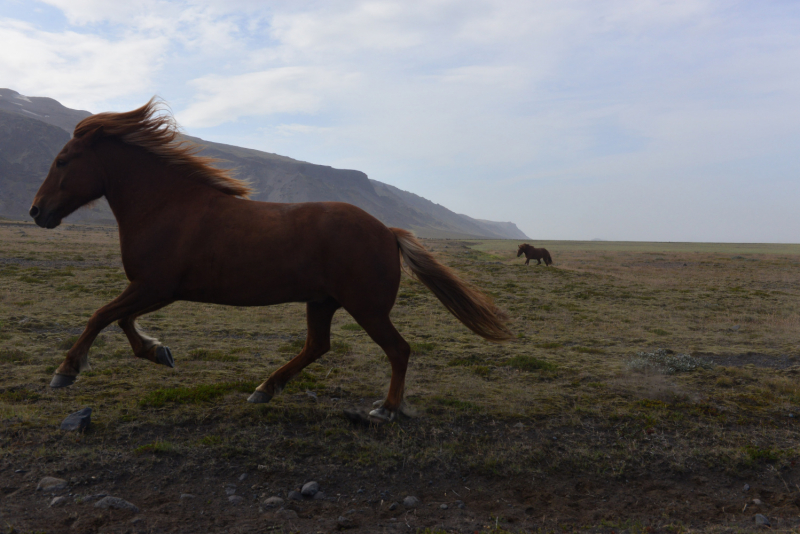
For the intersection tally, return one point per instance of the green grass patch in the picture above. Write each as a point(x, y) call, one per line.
point(293, 347)
point(30, 279)
point(206, 355)
point(588, 350)
point(529, 363)
point(340, 347)
point(13, 356)
point(422, 347)
point(194, 395)
point(353, 327)
point(550, 345)
point(157, 447)
point(660, 332)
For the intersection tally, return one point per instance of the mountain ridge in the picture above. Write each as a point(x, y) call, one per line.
point(33, 130)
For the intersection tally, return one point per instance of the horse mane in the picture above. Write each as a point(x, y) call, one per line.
point(151, 128)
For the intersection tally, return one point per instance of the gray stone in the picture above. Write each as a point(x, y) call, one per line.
point(461, 504)
point(272, 502)
point(746, 488)
point(285, 513)
point(116, 503)
point(410, 502)
point(235, 499)
point(318, 496)
point(443, 506)
point(309, 489)
point(51, 484)
point(242, 477)
point(757, 502)
point(90, 498)
point(393, 506)
point(761, 520)
point(345, 522)
point(312, 395)
point(187, 496)
point(58, 501)
point(295, 496)
point(79, 420)
point(230, 490)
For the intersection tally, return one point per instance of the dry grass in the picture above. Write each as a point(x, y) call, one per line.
point(578, 324)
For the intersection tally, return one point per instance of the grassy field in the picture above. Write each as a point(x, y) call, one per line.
point(647, 384)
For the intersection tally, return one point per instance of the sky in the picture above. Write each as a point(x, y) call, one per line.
point(635, 120)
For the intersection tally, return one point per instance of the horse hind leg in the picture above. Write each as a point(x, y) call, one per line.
point(144, 346)
point(318, 342)
point(383, 332)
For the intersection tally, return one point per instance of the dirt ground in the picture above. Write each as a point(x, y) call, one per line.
point(557, 431)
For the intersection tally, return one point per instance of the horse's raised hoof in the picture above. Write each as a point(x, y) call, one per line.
point(259, 397)
point(164, 356)
point(62, 381)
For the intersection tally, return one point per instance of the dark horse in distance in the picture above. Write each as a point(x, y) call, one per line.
point(188, 232)
point(533, 253)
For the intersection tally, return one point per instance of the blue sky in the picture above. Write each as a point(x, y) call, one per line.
point(623, 120)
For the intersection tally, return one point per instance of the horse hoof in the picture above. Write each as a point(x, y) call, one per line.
point(383, 414)
point(62, 381)
point(164, 356)
point(259, 397)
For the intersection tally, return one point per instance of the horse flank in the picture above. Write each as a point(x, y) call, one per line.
point(158, 133)
point(474, 309)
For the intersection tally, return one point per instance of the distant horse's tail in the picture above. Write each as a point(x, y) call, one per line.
point(470, 306)
point(547, 259)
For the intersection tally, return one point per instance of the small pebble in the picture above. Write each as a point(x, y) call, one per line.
point(757, 502)
point(345, 522)
point(393, 506)
point(235, 499)
point(312, 394)
point(295, 496)
point(361, 490)
point(410, 502)
point(443, 506)
point(746, 487)
point(116, 503)
point(79, 420)
point(761, 520)
point(272, 502)
point(309, 489)
point(51, 484)
point(242, 477)
point(318, 496)
point(461, 505)
point(230, 490)
point(58, 501)
point(285, 513)
point(186, 496)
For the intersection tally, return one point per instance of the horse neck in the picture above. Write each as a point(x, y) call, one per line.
point(139, 184)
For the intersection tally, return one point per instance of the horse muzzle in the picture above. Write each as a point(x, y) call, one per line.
point(43, 219)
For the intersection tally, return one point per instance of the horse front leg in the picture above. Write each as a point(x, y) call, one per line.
point(527, 260)
point(134, 299)
point(144, 346)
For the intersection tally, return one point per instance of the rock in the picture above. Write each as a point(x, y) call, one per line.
point(318, 496)
point(242, 477)
point(272, 502)
point(461, 504)
point(519, 426)
point(309, 489)
point(187, 496)
point(757, 502)
point(79, 420)
point(51, 484)
point(410, 502)
point(312, 395)
point(285, 513)
point(230, 490)
point(235, 499)
point(393, 506)
point(58, 501)
point(116, 503)
point(746, 488)
point(443, 506)
point(90, 498)
point(295, 496)
point(761, 520)
point(345, 522)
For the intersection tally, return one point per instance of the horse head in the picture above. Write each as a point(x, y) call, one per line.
point(75, 179)
point(521, 250)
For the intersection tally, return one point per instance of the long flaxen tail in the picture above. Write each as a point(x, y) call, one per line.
point(470, 306)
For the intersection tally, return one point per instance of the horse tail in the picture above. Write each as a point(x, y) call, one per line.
point(474, 309)
point(547, 259)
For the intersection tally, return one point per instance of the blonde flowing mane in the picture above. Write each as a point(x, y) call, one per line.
point(157, 132)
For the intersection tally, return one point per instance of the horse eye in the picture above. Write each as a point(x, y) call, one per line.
point(60, 162)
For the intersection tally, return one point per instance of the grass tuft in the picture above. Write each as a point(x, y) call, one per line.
point(529, 363)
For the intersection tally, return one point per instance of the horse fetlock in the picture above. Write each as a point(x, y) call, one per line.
point(384, 415)
point(259, 397)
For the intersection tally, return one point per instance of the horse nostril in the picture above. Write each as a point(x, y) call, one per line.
point(34, 212)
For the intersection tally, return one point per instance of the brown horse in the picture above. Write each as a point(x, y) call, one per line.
point(533, 253)
point(188, 232)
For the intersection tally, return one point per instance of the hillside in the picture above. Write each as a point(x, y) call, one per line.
point(33, 130)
